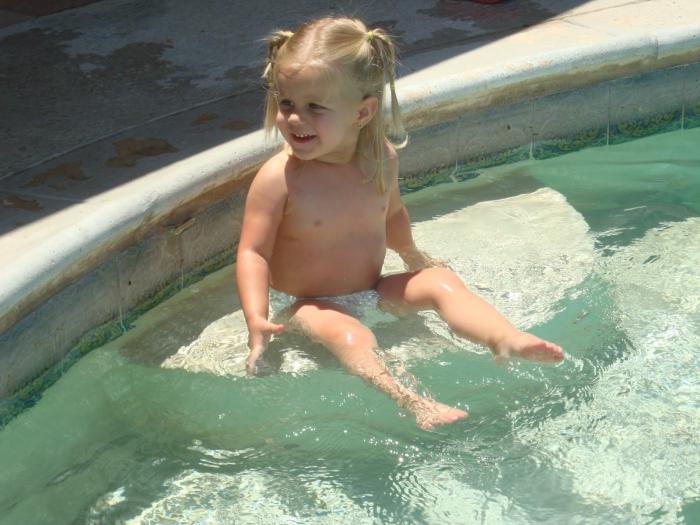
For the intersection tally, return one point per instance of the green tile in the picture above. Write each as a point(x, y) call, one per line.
point(692, 116)
point(545, 149)
point(644, 127)
point(463, 170)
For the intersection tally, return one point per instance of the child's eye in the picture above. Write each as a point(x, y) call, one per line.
point(285, 104)
point(316, 107)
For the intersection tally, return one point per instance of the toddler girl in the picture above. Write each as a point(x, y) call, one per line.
point(321, 213)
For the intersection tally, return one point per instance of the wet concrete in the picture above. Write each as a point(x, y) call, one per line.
point(15, 201)
point(58, 177)
point(77, 76)
point(129, 151)
point(42, 7)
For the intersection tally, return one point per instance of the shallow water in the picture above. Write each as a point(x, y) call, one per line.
point(160, 426)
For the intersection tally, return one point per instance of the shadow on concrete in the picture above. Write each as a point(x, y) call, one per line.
point(97, 96)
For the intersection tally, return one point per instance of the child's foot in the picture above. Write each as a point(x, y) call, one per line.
point(523, 345)
point(429, 413)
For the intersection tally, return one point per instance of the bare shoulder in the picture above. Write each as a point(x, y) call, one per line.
point(269, 187)
point(273, 169)
point(271, 178)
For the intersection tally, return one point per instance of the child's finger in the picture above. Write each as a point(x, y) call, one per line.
point(259, 345)
point(275, 329)
point(251, 362)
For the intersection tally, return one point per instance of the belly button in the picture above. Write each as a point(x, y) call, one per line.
point(317, 223)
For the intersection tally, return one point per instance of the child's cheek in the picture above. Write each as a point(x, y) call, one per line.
point(321, 122)
point(281, 120)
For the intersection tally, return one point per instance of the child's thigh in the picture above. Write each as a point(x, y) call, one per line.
point(419, 289)
point(330, 325)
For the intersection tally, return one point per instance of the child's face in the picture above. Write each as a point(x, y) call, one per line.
point(318, 116)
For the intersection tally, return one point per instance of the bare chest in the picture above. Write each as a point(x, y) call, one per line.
point(333, 206)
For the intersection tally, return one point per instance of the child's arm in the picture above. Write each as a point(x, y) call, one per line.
point(263, 214)
point(398, 224)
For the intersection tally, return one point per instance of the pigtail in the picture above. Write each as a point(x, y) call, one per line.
point(386, 53)
point(274, 43)
point(374, 135)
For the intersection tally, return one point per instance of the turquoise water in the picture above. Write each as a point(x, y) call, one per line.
point(161, 427)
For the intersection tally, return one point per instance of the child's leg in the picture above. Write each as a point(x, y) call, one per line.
point(468, 315)
point(354, 345)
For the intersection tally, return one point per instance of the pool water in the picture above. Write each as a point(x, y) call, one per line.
point(598, 250)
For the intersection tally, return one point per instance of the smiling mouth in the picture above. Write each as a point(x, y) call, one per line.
point(302, 137)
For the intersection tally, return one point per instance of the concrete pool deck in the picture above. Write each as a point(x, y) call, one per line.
point(122, 118)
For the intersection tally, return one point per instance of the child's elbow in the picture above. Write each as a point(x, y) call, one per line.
point(251, 254)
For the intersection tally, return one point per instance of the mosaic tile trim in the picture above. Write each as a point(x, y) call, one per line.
point(645, 127)
point(31, 393)
point(438, 175)
point(692, 96)
point(692, 116)
point(463, 170)
point(546, 149)
point(151, 301)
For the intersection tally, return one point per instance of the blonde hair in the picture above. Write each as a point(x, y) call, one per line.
point(367, 58)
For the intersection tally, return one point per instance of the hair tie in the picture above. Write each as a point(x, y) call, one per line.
point(370, 35)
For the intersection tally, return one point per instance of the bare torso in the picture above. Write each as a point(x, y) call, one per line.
point(332, 237)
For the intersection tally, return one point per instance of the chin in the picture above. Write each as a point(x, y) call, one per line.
point(303, 155)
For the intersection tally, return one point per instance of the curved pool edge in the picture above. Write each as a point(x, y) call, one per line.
point(101, 246)
point(437, 94)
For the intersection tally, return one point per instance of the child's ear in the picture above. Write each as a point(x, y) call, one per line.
point(368, 108)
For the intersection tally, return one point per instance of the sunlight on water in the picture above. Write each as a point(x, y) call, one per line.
point(635, 446)
point(598, 250)
point(250, 497)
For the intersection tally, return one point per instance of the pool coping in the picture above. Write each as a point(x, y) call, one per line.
point(84, 236)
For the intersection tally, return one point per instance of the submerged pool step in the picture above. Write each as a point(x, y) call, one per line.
point(520, 253)
point(501, 248)
point(634, 443)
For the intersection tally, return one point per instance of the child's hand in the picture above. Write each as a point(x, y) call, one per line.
point(260, 333)
point(418, 260)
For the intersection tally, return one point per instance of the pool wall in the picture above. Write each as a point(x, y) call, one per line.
point(155, 235)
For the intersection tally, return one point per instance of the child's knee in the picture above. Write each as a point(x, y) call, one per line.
point(442, 277)
point(333, 329)
point(352, 336)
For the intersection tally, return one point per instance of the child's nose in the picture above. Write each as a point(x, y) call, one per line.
point(295, 117)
